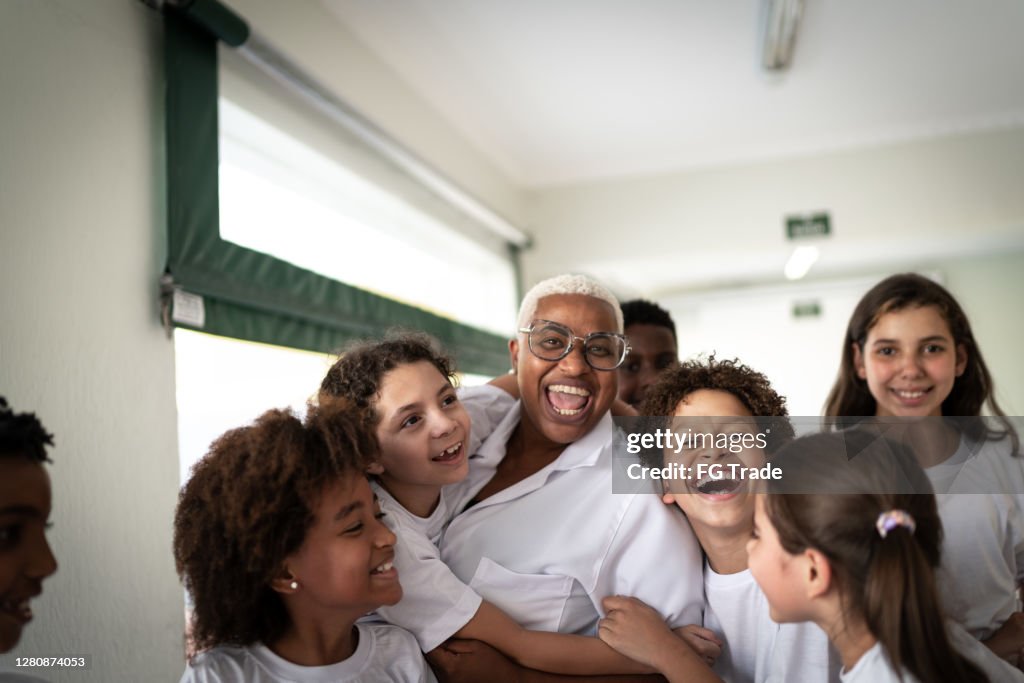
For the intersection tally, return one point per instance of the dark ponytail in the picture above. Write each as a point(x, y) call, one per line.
point(901, 605)
point(889, 581)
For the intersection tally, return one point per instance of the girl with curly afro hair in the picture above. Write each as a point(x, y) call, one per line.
point(707, 395)
point(25, 555)
point(278, 539)
point(403, 387)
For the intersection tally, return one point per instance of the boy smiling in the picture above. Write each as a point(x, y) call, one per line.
point(722, 397)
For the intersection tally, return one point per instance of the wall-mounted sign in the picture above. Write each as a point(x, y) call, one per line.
point(810, 308)
point(810, 225)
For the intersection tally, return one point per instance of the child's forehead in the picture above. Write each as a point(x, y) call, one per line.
point(347, 491)
point(910, 315)
point(24, 482)
point(408, 381)
point(422, 368)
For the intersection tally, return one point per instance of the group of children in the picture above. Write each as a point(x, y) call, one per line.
point(905, 586)
point(309, 546)
point(279, 540)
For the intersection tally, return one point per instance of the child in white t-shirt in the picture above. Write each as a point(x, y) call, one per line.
point(404, 385)
point(711, 396)
point(856, 552)
point(912, 369)
point(278, 538)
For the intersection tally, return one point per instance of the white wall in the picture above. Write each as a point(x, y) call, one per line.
point(798, 355)
point(990, 291)
point(81, 248)
point(893, 206)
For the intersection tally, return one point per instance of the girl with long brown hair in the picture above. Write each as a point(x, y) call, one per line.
point(912, 368)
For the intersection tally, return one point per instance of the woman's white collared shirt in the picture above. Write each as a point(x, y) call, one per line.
point(547, 549)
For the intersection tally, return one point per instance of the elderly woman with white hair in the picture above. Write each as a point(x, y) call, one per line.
point(541, 533)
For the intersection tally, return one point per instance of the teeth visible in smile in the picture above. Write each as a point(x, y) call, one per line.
point(452, 450)
point(383, 568)
point(564, 389)
point(909, 394)
point(573, 391)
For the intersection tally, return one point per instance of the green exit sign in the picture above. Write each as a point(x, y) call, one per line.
point(813, 225)
point(807, 309)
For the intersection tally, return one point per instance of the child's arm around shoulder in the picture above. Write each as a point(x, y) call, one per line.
point(472, 661)
point(637, 631)
point(437, 605)
point(546, 651)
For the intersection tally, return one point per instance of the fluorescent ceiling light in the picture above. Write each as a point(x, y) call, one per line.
point(781, 20)
point(800, 262)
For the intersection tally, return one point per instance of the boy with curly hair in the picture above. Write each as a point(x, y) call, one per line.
point(278, 539)
point(709, 395)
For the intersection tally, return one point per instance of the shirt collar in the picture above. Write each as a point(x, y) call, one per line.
point(584, 452)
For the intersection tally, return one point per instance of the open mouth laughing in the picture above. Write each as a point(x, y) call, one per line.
point(568, 400)
point(718, 487)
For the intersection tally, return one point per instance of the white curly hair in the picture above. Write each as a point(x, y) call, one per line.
point(566, 284)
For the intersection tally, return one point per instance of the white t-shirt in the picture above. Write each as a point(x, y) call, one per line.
point(487, 406)
point(435, 603)
point(874, 667)
point(385, 654)
point(549, 548)
point(983, 522)
point(757, 649)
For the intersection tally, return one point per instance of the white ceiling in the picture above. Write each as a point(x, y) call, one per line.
point(558, 91)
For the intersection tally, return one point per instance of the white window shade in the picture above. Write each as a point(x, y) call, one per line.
point(298, 187)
